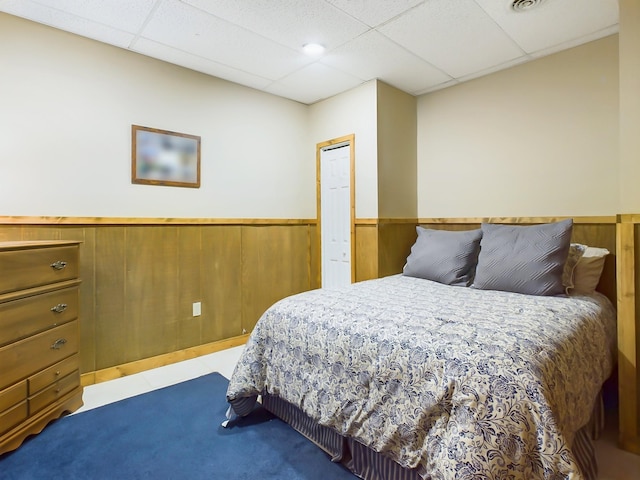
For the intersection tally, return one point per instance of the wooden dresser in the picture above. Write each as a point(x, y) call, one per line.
point(39, 336)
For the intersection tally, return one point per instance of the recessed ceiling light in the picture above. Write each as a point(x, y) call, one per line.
point(313, 49)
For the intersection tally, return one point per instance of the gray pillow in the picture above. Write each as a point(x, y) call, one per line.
point(444, 256)
point(523, 259)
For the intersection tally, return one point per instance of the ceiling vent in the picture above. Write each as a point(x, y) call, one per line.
point(524, 5)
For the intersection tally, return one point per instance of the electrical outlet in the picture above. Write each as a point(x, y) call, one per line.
point(197, 309)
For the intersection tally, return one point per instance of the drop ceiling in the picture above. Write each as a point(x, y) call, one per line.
point(418, 46)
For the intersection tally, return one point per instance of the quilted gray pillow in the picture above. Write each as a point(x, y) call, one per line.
point(444, 256)
point(523, 259)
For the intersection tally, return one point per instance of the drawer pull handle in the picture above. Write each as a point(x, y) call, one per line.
point(58, 344)
point(59, 265)
point(59, 308)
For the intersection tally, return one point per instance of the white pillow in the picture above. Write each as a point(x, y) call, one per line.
point(586, 273)
point(576, 250)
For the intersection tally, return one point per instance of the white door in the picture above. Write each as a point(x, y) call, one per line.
point(335, 215)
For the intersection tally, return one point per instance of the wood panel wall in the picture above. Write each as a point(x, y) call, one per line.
point(141, 277)
point(395, 238)
point(628, 268)
point(382, 246)
point(366, 250)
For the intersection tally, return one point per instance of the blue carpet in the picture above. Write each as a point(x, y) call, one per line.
point(171, 433)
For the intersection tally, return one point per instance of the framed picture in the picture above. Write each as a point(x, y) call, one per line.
point(160, 157)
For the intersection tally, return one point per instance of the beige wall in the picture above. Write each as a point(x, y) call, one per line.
point(352, 112)
point(67, 106)
point(536, 139)
point(397, 180)
point(383, 120)
point(629, 106)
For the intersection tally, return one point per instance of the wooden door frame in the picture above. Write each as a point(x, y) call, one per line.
point(352, 200)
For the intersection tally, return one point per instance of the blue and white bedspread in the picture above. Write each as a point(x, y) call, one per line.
point(458, 382)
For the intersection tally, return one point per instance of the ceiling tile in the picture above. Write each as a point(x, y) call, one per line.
point(119, 14)
point(456, 37)
point(288, 22)
point(415, 45)
point(191, 30)
point(372, 55)
point(313, 83)
point(375, 12)
point(553, 21)
point(67, 22)
point(199, 64)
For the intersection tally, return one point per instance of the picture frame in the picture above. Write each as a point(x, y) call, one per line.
point(162, 157)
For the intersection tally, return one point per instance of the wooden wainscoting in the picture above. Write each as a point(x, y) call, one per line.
point(628, 267)
point(395, 238)
point(140, 278)
point(382, 246)
point(366, 251)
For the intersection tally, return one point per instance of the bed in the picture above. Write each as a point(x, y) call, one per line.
point(442, 372)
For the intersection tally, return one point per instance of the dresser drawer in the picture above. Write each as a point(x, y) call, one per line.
point(54, 392)
point(13, 395)
point(12, 417)
point(32, 267)
point(26, 316)
point(53, 373)
point(26, 357)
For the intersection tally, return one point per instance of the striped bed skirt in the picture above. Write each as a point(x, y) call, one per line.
point(370, 465)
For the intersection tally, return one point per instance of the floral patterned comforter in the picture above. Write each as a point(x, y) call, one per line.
point(459, 382)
